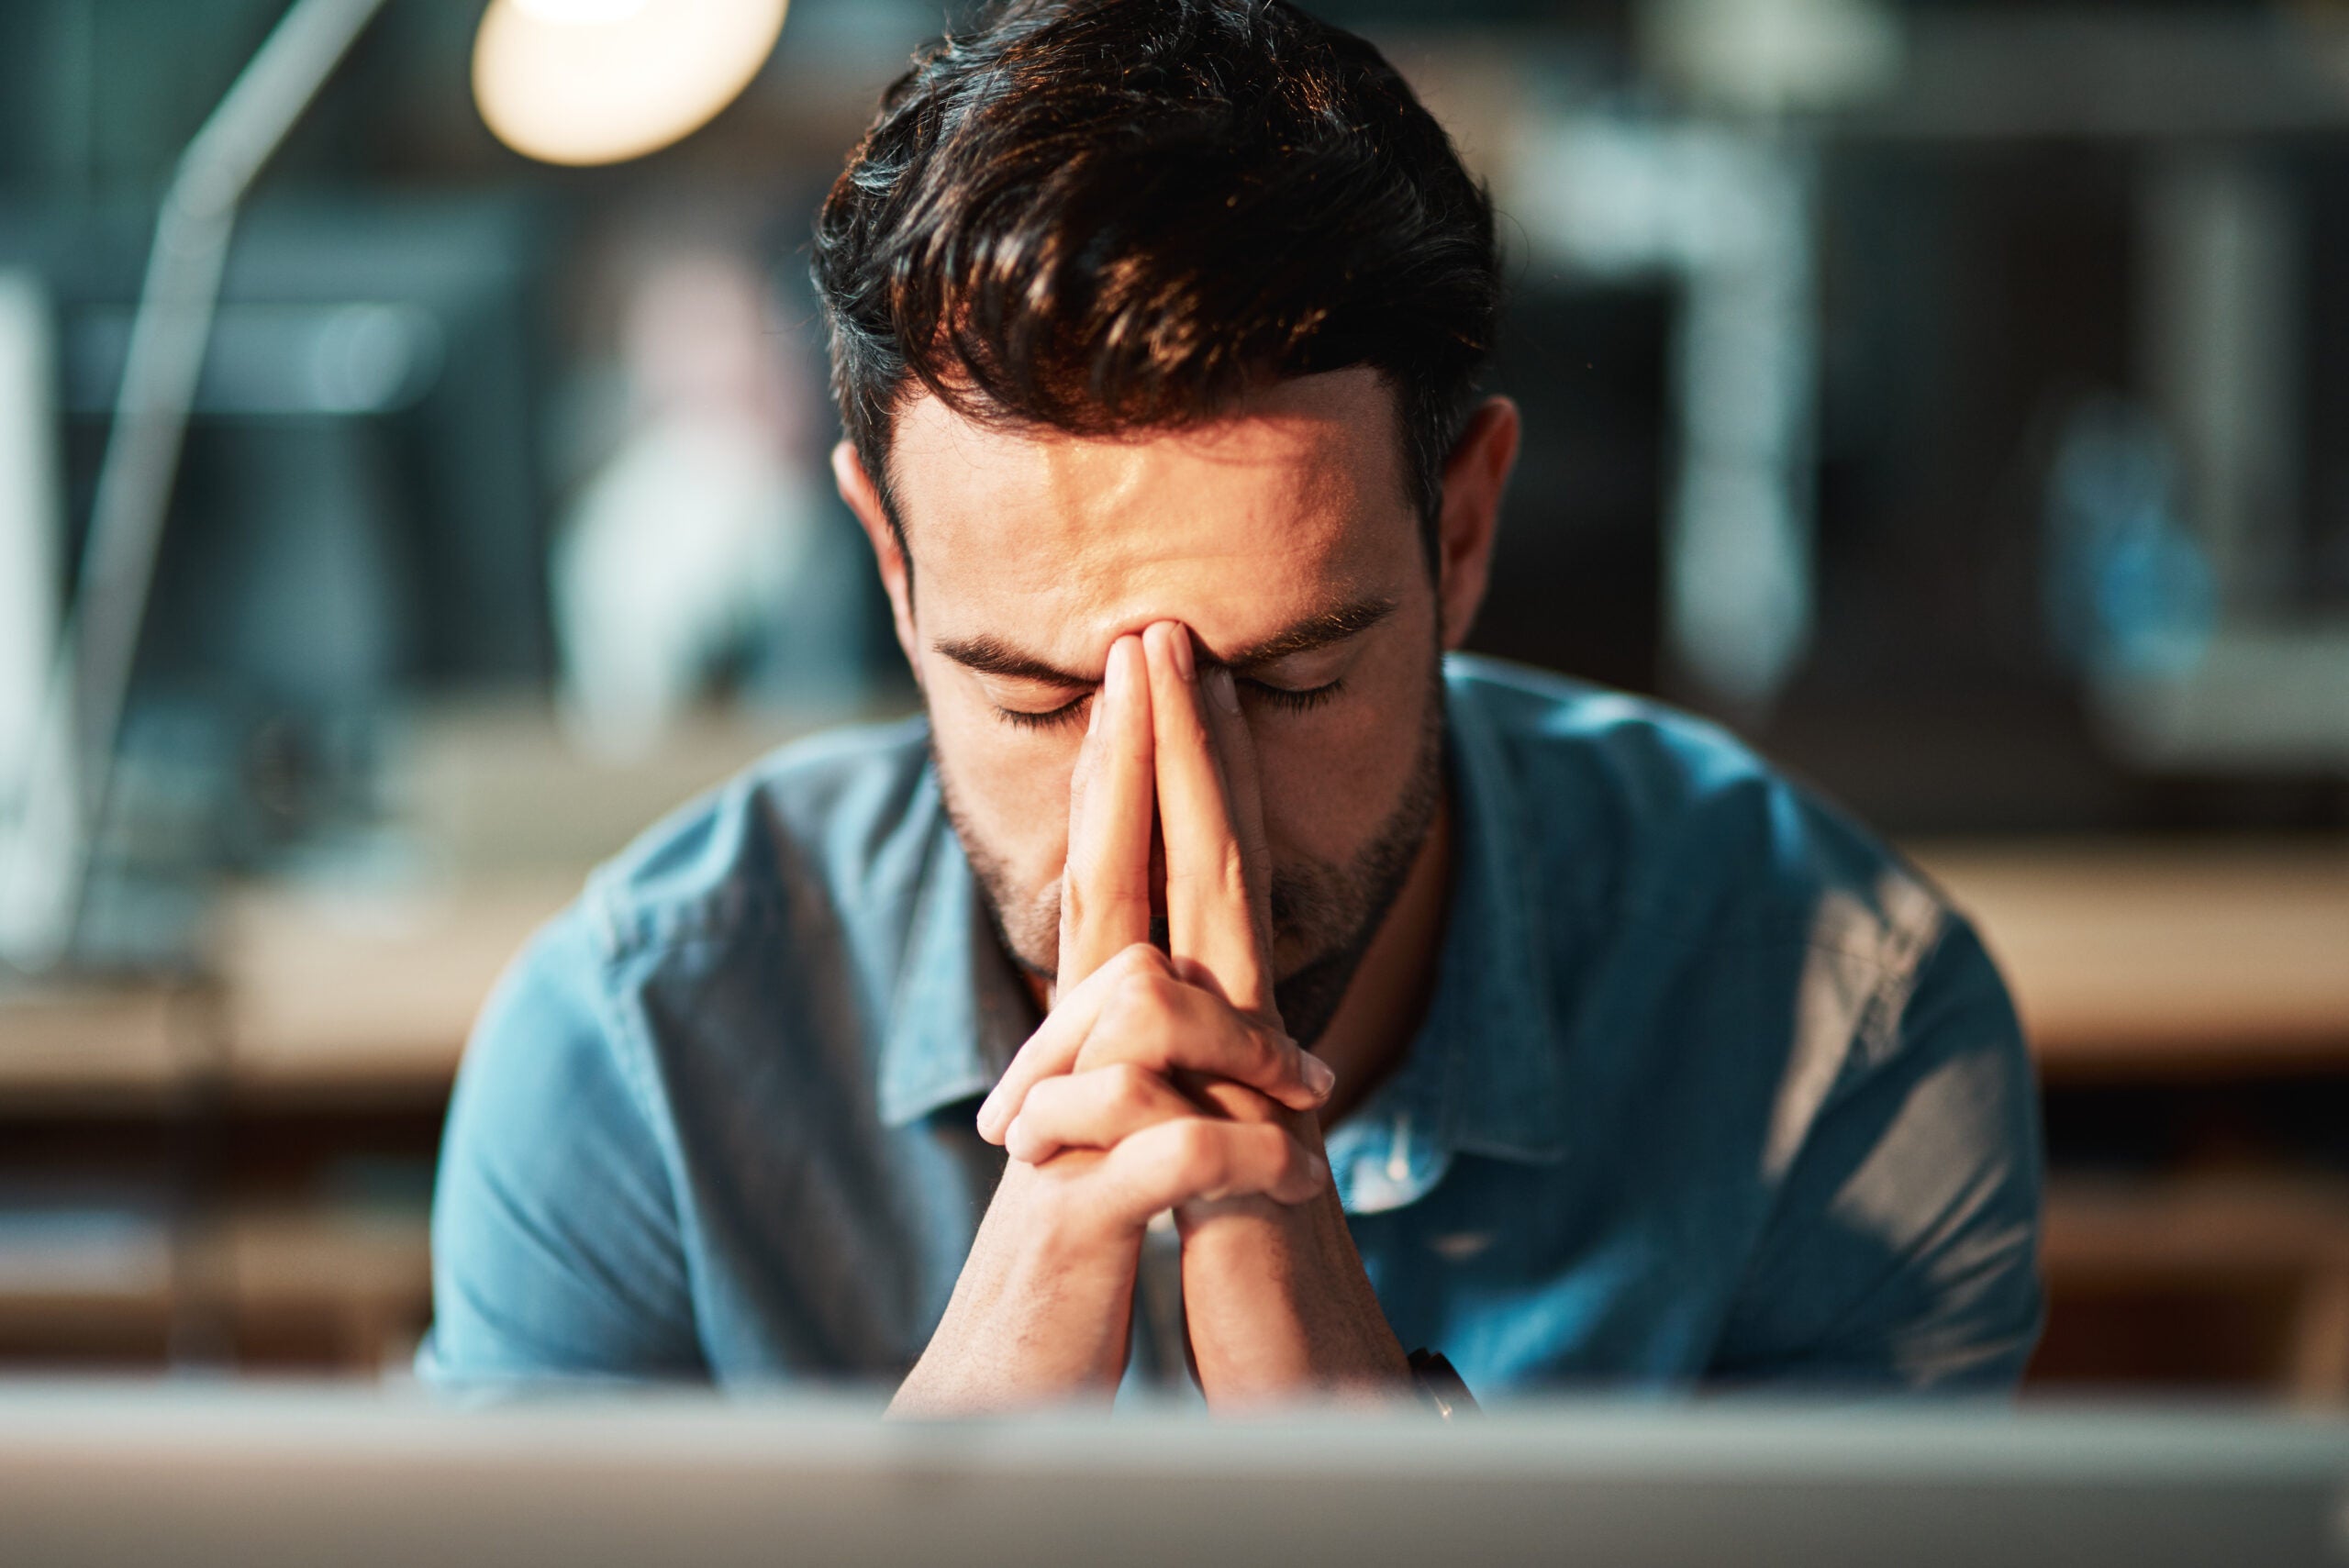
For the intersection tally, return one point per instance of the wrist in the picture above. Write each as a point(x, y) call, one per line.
point(1279, 1308)
point(1041, 1314)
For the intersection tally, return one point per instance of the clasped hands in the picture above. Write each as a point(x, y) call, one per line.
point(1160, 1082)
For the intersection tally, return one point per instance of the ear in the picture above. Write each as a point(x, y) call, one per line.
point(864, 498)
point(1473, 477)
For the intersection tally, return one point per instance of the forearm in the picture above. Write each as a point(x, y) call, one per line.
point(1044, 1310)
point(1038, 1316)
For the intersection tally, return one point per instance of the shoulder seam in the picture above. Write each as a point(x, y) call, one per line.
point(1911, 936)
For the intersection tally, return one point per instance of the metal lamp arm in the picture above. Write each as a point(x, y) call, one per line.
point(65, 789)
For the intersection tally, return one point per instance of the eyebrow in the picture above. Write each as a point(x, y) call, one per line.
point(991, 655)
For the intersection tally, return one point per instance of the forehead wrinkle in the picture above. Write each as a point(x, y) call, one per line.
point(1099, 579)
point(1303, 462)
point(1065, 542)
point(1059, 617)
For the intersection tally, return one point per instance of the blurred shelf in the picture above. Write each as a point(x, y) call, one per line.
point(90, 1047)
point(2227, 1240)
point(2208, 1226)
point(2168, 958)
point(346, 1000)
point(349, 1287)
point(375, 1262)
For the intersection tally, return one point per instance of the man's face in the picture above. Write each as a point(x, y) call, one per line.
point(1285, 538)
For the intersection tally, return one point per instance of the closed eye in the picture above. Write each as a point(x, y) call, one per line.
point(1294, 699)
point(1059, 718)
point(1288, 699)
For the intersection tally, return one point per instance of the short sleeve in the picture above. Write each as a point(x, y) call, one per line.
point(1902, 1248)
point(555, 1243)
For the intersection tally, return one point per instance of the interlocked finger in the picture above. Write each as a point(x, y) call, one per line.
point(1096, 1109)
point(1198, 1160)
point(1153, 1020)
point(1052, 1049)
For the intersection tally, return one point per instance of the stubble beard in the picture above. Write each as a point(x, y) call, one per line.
point(1333, 913)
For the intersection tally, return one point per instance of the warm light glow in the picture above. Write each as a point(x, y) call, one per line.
point(597, 81)
point(564, 12)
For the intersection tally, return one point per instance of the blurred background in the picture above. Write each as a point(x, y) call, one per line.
point(1950, 395)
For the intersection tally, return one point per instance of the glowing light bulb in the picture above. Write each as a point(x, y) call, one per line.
point(597, 81)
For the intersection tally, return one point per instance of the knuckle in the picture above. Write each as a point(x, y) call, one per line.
point(1156, 984)
point(1139, 1014)
point(1040, 1100)
point(1269, 1052)
point(1122, 1035)
point(1130, 1087)
point(1138, 957)
point(1129, 995)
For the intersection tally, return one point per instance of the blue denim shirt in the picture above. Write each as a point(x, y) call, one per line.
point(1712, 1087)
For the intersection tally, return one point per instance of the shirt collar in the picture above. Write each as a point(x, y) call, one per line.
point(1485, 1075)
point(958, 1013)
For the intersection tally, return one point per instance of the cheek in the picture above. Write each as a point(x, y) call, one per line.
point(1011, 787)
point(1332, 777)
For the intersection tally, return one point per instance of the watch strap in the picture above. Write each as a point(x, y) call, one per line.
point(1440, 1386)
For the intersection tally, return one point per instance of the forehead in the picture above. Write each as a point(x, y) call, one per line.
point(1294, 500)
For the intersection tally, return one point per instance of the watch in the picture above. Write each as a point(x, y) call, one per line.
point(1440, 1386)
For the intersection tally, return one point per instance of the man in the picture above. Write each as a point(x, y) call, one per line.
point(1440, 1003)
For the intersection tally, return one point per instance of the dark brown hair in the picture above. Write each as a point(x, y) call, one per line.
point(1100, 216)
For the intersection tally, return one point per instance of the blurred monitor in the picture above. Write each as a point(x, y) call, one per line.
point(211, 1477)
point(29, 519)
point(357, 515)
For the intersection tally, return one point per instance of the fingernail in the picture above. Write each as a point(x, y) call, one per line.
point(1319, 1076)
point(1320, 1170)
point(1093, 712)
point(986, 1119)
point(1227, 695)
point(1181, 639)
